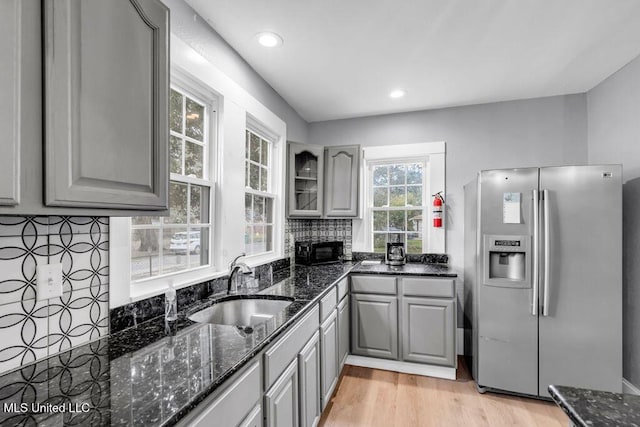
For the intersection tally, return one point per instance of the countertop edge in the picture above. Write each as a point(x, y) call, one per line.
point(566, 407)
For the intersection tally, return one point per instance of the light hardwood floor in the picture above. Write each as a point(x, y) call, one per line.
point(372, 397)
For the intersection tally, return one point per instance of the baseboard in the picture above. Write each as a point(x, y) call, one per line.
point(404, 367)
point(629, 388)
point(460, 341)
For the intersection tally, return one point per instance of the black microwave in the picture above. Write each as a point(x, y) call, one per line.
point(308, 253)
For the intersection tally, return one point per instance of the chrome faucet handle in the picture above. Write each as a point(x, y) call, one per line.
point(232, 263)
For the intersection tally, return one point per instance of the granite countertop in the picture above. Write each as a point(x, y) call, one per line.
point(154, 373)
point(410, 269)
point(586, 407)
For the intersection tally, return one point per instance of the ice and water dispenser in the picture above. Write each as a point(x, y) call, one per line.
point(507, 261)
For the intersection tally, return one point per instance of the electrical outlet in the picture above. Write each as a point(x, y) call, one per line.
point(49, 281)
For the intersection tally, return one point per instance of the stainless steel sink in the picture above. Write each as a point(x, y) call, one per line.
point(242, 311)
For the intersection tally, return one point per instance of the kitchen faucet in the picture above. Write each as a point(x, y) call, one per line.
point(235, 266)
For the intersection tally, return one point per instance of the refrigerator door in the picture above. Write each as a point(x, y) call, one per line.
point(581, 323)
point(507, 328)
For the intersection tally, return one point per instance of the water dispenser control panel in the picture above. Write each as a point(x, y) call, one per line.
point(507, 261)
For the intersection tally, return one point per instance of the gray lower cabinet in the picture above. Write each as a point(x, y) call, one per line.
point(254, 419)
point(374, 326)
point(329, 356)
point(106, 104)
point(309, 375)
point(281, 401)
point(428, 333)
point(343, 331)
point(341, 181)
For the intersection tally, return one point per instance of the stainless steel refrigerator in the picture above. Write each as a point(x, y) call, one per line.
point(543, 278)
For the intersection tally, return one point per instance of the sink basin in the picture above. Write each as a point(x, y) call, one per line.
point(242, 311)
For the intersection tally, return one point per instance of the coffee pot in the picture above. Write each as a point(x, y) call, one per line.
point(395, 253)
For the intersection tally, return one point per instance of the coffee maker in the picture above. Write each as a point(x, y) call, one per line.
point(395, 254)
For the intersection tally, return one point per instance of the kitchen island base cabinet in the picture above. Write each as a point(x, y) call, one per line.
point(309, 372)
point(374, 326)
point(428, 334)
point(329, 357)
point(281, 401)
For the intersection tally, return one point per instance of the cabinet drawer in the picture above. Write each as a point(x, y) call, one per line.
point(235, 402)
point(373, 285)
point(343, 288)
point(327, 304)
point(280, 355)
point(439, 288)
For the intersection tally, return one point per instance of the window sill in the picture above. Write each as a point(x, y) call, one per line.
point(152, 287)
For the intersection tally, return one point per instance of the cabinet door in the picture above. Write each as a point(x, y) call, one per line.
point(281, 401)
point(309, 372)
point(428, 331)
point(329, 356)
point(12, 16)
point(254, 419)
point(374, 326)
point(343, 331)
point(106, 103)
point(306, 180)
point(341, 181)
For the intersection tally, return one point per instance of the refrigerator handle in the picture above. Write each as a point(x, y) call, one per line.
point(536, 259)
point(545, 304)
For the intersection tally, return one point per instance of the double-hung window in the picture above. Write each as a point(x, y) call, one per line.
point(397, 209)
point(181, 241)
point(259, 194)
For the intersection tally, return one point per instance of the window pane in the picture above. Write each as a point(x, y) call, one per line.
point(247, 208)
point(380, 221)
point(247, 140)
point(414, 195)
point(247, 239)
point(268, 238)
point(414, 220)
point(268, 206)
point(176, 244)
point(195, 120)
point(380, 175)
point(396, 174)
point(414, 173)
point(396, 221)
point(200, 247)
point(264, 181)
point(379, 242)
point(397, 196)
point(259, 240)
point(264, 156)
point(258, 209)
point(380, 197)
point(175, 154)
point(193, 159)
point(199, 205)
point(254, 153)
point(145, 220)
point(177, 204)
point(414, 243)
point(175, 111)
point(144, 253)
point(254, 176)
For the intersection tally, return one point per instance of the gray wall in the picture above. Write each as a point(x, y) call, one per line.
point(614, 137)
point(543, 131)
point(192, 29)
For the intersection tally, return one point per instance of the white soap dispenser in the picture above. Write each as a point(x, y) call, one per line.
point(170, 304)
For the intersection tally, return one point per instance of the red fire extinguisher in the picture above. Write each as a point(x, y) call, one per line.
point(438, 208)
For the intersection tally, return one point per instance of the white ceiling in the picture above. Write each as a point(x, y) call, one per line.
point(341, 58)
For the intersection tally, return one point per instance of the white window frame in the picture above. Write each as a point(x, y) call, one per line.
point(433, 154)
point(121, 229)
point(425, 196)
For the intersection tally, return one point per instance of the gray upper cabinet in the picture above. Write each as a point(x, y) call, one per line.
point(428, 333)
point(341, 181)
point(12, 16)
point(374, 326)
point(306, 180)
point(106, 104)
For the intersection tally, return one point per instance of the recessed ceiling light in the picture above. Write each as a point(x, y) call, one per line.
point(267, 39)
point(398, 93)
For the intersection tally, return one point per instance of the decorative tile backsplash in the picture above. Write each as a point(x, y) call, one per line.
point(318, 230)
point(31, 329)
